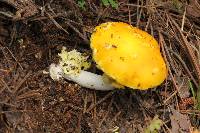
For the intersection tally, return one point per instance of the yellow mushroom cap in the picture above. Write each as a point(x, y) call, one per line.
point(128, 55)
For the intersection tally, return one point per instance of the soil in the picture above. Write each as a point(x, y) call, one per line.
point(32, 33)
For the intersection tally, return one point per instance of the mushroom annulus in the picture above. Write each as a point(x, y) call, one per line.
point(127, 55)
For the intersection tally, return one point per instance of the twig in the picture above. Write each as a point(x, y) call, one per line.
point(185, 67)
point(17, 111)
point(148, 21)
point(139, 13)
point(192, 112)
point(173, 94)
point(6, 14)
point(100, 101)
point(115, 117)
point(165, 125)
point(14, 58)
point(8, 104)
point(186, 46)
point(78, 129)
point(10, 3)
point(2, 49)
point(54, 21)
point(105, 116)
point(85, 102)
point(162, 42)
point(183, 20)
point(144, 6)
point(5, 86)
point(77, 31)
point(74, 107)
point(21, 82)
point(94, 109)
point(28, 94)
point(57, 24)
point(129, 15)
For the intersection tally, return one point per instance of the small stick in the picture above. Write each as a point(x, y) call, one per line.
point(22, 81)
point(100, 101)
point(183, 20)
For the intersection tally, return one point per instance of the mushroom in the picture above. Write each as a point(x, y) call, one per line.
point(127, 55)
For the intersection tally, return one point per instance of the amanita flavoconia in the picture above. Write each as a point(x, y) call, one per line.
point(129, 56)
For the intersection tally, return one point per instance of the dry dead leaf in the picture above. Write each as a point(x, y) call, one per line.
point(26, 8)
point(183, 84)
point(193, 9)
point(180, 122)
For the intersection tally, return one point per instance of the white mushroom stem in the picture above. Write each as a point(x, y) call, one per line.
point(89, 80)
point(84, 78)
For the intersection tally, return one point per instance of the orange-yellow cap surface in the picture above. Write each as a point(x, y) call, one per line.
point(128, 55)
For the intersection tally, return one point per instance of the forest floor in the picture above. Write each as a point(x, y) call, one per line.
point(33, 32)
